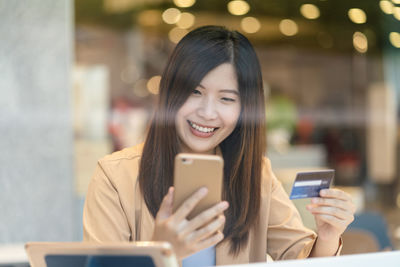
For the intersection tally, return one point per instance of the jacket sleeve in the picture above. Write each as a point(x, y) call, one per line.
point(104, 219)
point(287, 237)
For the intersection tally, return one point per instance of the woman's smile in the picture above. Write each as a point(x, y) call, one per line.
point(201, 131)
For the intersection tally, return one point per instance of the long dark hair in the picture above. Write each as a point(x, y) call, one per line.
point(200, 51)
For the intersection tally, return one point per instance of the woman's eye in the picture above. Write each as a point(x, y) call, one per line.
point(228, 99)
point(196, 92)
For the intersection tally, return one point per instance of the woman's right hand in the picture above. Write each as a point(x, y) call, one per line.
point(189, 237)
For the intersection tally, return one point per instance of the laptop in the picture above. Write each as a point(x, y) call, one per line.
point(386, 259)
point(79, 254)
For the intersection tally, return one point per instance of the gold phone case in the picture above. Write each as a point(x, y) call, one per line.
point(193, 171)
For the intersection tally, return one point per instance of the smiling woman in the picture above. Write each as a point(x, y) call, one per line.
point(211, 101)
point(212, 81)
point(211, 112)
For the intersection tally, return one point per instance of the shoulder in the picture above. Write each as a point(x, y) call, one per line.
point(126, 154)
point(123, 164)
point(266, 170)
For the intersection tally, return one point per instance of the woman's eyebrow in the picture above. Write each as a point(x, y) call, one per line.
point(233, 91)
point(229, 91)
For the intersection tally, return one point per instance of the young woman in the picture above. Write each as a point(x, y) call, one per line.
point(211, 101)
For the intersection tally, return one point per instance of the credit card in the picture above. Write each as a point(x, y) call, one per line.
point(308, 184)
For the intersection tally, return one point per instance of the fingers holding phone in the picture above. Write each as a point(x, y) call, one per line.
point(189, 236)
point(191, 216)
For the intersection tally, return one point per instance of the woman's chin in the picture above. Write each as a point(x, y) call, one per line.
point(202, 150)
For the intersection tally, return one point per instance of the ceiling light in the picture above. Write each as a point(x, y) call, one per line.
point(171, 15)
point(176, 34)
point(309, 11)
point(184, 3)
point(288, 27)
point(357, 15)
point(360, 42)
point(250, 24)
point(153, 85)
point(386, 6)
point(396, 13)
point(394, 38)
point(186, 20)
point(238, 7)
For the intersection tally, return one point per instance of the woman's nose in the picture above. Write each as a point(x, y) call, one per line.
point(207, 110)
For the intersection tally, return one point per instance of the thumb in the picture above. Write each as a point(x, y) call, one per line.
point(166, 205)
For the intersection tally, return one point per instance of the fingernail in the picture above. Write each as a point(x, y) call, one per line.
point(203, 191)
point(223, 204)
point(309, 207)
point(314, 200)
point(323, 192)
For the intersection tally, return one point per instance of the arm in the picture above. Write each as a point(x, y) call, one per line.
point(333, 212)
point(287, 238)
point(104, 219)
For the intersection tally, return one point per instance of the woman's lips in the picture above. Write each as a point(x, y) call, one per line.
point(200, 134)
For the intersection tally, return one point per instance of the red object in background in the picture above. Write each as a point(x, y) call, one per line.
point(305, 128)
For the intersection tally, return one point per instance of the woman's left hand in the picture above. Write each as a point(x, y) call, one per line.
point(333, 212)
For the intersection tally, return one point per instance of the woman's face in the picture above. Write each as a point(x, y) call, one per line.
point(211, 112)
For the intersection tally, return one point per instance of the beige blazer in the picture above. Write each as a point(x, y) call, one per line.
point(115, 211)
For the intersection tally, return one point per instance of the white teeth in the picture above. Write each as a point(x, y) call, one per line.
point(201, 129)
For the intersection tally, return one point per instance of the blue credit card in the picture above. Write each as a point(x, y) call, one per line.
point(308, 184)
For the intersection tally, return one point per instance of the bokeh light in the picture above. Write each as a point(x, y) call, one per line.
point(150, 17)
point(396, 13)
point(176, 34)
point(184, 3)
point(171, 15)
point(357, 15)
point(153, 85)
point(394, 38)
point(250, 24)
point(288, 27)
point(360, 42)
point(310, 11)
point(186, 20)
point(238, 7)
point(386, 6)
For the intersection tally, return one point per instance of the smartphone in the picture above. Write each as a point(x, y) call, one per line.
point(193, 171)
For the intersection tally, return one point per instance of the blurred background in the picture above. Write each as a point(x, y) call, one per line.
point(79, 80)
